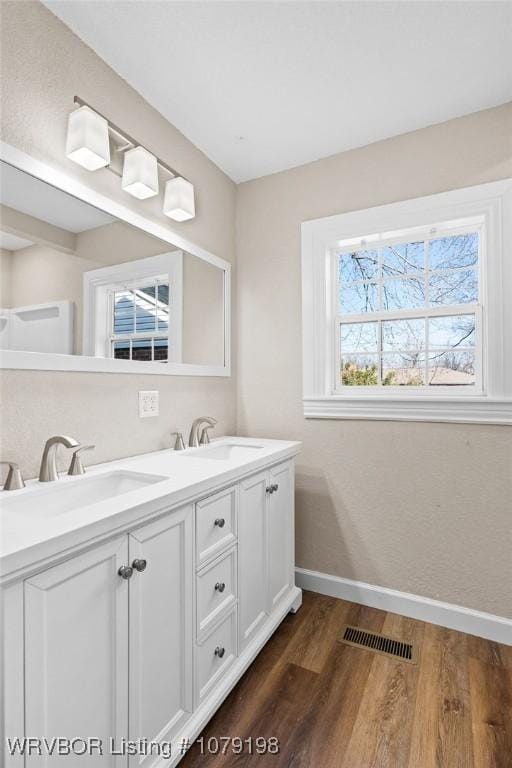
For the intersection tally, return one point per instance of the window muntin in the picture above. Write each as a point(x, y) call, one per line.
point(139, 319)
point(408, 312)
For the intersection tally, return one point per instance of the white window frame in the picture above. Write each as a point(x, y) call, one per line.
point(490, 205)
point(97, 305)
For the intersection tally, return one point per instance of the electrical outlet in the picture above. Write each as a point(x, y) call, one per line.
point(148, 403)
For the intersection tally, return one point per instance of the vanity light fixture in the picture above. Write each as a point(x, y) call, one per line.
point(87, 140)
point(94, 142)
point(140, 173)
point(179, 201)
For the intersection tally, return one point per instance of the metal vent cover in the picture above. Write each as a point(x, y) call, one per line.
point(373, 641)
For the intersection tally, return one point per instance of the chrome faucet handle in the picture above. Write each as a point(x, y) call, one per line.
point(14, 481)
point(76, 467)
point(205, 437)
point(179, 445)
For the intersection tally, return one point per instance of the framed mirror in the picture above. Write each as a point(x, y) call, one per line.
point(86, 284)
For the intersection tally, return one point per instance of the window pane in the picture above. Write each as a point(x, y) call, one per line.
point(454, 252)
point(403, 369)
point(403, 294)
point(357, 299)
point(403, 258)
point(358, 337)
point(359, 370)
point(453, 331)
point(163, 307)
point(161, 349)
point(359, 265)
point(451, 368)
point(122, 350)
point(453, 287)
point(403, 335)
point(124, 312)
point(145, 302)
point(141, 349)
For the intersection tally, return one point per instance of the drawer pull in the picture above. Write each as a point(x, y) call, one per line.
point(220, 586)
point(139, 565)
point(220, 522)
point(220, 651)
point(125, 572)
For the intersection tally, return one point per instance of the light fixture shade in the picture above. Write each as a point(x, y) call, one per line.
point(87, 142)
point(140, 173)
point(179, 199)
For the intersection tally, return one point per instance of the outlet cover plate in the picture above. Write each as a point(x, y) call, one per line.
point(148, 403)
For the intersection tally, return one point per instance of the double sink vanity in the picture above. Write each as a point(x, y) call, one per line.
point(135, 596)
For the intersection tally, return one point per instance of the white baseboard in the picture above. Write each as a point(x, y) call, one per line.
point(497, 628)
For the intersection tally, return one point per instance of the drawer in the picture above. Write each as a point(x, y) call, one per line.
point(216, 590)
point(215, 524)
point(215, 653)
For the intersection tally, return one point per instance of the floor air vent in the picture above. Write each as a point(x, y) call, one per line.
point(372, 641)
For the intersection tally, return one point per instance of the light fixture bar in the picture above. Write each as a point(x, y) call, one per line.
point(129, 142)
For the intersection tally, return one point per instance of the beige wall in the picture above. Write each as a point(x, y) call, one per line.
point(424, 508)
point(43, 66)
point(203, 312)
point(5, 278)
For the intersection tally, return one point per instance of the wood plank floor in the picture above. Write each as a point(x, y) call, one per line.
point(335, 706)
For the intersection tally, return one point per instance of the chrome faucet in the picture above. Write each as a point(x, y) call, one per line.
point(193, 440)
point(48, 472)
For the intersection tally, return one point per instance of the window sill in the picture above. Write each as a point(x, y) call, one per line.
point(474, 410)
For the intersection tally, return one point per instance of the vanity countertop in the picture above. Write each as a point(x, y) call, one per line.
point(32, 537)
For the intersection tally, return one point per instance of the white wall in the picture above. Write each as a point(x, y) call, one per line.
point(423, 508)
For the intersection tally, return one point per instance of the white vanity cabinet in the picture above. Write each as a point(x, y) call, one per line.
point(265, 546)
point(161, 623)
point(280, 543)
point(141, 635)
point(76, 649)
point(92, 636)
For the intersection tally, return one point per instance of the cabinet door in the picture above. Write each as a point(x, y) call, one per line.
point(76, 652)
point(161, 639)
point(280, 532)
point(252, 555)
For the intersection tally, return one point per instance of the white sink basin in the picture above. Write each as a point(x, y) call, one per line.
point(223, 451)
point(69, 494)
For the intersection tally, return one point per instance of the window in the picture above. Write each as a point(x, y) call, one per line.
point(408, 311)
point(133, 311)
point(405, 309)
point(139, 319)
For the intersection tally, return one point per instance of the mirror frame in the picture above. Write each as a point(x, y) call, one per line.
point(46, 361)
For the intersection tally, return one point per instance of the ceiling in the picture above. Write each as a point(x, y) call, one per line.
point(264, 86)
point(35, 198)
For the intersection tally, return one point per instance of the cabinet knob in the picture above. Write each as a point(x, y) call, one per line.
point(269, 489)
point(125, 572)
point(139, 565)
point(220, 522)
point(220, 586)
point(220, 651)
point(274, 487)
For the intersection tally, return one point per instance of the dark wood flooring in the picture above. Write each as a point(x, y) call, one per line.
point(335, 706)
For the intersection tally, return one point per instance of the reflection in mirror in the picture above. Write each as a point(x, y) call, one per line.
point(76, 281)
